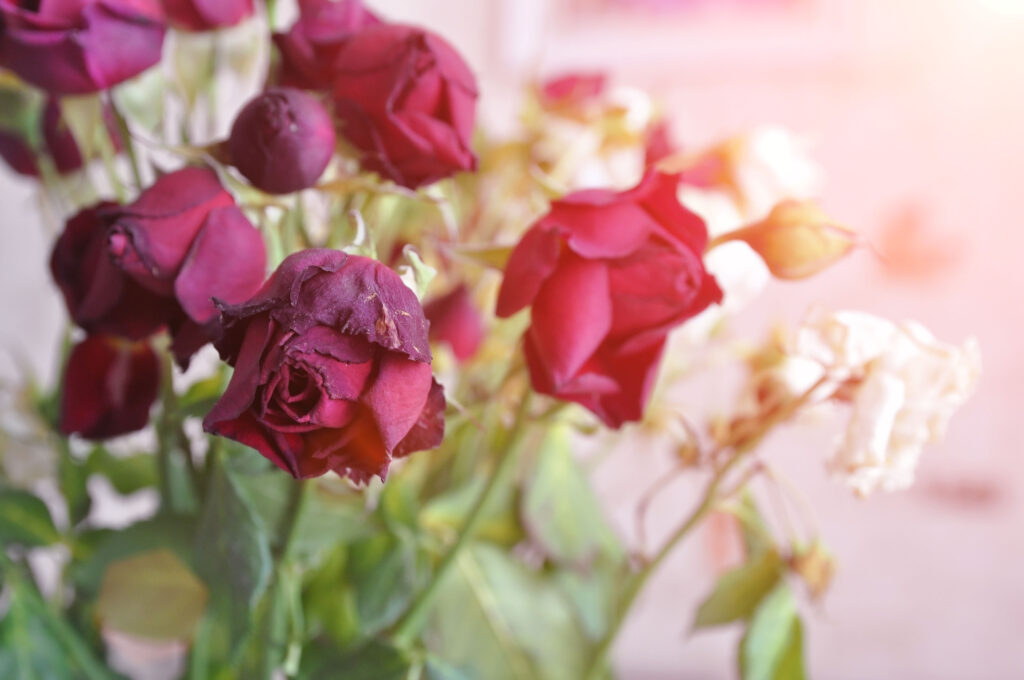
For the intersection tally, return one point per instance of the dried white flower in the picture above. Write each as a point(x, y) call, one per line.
point(903, 385)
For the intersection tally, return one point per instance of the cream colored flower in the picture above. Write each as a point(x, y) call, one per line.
point(903, 386)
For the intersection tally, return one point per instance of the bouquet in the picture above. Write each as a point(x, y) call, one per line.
point(338, 361)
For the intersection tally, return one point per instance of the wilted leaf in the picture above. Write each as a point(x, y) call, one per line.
point(740, 590)
point(25, 519)
point(560, 511)
point(772, 648)
point(152, 595)
point(127, 474)
point(495, 257)
point(496, 619)
point(232, 550)
point(447, 513)
point(373, 660)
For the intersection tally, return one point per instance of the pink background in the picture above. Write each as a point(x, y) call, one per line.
point(916, 108)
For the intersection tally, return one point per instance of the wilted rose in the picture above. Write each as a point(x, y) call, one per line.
point(79, 46)
point(184, 239)
point(100, 297)
point(406, 101)
point(310, 48)
point(903, 384)
point(455, 320)
point(332, 369)
point(206, 15)
point(608, 274)
point(109, 386)
point(282, 140)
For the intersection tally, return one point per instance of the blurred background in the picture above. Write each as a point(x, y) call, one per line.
point(914, 110)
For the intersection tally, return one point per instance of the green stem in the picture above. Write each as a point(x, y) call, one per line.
point(408, 627)
point(172, 434)
point(126, 139)
point(639, 580)
point(275, 621)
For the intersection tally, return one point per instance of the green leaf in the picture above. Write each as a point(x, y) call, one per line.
point(174, 532)
point(127, 474)
point(72, 476)
point(232, 550)
point(384, 571)
point(372, 660)
point(417, 275)
point(560, 511)
point(739, 590)
point(757, 537)
point(447, 513)
point(202, 395)
point(593, 593)
point(332, 516)
point(772, 648)
point(152, 595)
point(28, 649)
point(25, 519)
point(496, 619)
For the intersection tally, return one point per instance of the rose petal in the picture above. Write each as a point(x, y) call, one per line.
point(397, 396)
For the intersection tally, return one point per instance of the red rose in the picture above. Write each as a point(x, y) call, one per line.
point(206, 15)
point(79, 46)
point(100, 297)
point(184, 239)
point(406, 100)
point(455, 320)
point(109, 387)
point(310, 48)
point(282, 140)
point(332, 369)
point(57, 139)
point(608, 275)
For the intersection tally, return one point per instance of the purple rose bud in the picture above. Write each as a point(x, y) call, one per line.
point(109, 387)
point(282, 141)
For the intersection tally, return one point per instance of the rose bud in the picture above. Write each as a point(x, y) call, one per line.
point(282, 141)
point(455, 320)
point(80, 46)
point(406, 101)
point(332, 369)
point(310, 48)
point(206, 15)
point(608, 274)
point(796, 240)
point(100, 297)
point(109, 387)
point(184, 239)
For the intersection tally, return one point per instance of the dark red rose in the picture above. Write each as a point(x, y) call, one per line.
point(455, 320)
point(18, 155)
point(608, 274)
point(99, 296)
point(282, 140)
point(58, 142)
point(79, 46)
point(406, 101)
point(184, 239)
point(109, 386)
point(310, 48)
point(206, 15)
point(572, 90)
point(332, 369)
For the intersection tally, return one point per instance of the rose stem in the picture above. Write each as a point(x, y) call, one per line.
point(636, 584)
point(408, 626)
point(126, 138)
point(710, 499)
point(297, 498)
